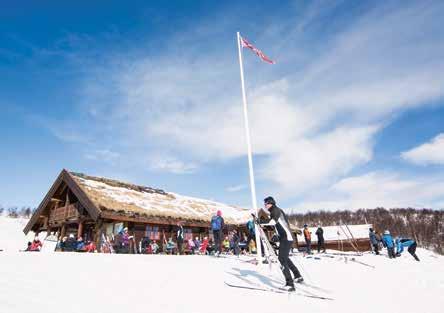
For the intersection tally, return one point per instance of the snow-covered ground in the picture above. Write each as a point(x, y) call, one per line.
point(74, 282)
point(12, 238)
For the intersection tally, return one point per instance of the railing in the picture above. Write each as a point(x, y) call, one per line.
point(64, 213)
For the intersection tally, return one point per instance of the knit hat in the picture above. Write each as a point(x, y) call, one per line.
point(269, 200)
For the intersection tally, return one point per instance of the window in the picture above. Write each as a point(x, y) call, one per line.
point(118, 227)
point(152, 232)
point(187, 233)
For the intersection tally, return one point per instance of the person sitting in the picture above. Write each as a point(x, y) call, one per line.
point(125, 241)
point(252, 247)
point(170, 246)
point(145, 245)
point(190, 245)
point(36, 245)
point(197, 244)
point(62, 243)
point(90, 247)
point(410, 244)
point(203, 246)
point(226, 245)
point(211, 247)
point(243, 245)
point(28, 248)
point(70, 244)
point(154, 247)
point(80, 245)
point(388, 242)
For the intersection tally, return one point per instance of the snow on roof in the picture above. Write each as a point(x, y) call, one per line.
point(118, 196)
point(339, 233)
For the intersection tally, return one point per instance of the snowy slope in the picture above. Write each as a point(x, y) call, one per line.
point(74, 282)
point(12, 237)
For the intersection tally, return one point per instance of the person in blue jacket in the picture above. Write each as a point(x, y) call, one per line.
point(410, 244)
point(388, 242)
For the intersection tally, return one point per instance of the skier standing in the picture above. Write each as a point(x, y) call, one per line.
point(179, 234)
point(285, 243)
point(235, 239)
point(321, 242)
point(373, 240)
point(410, 244)
point(251, 232)
point(217, 225)
point(387, 241)
point(307, 236)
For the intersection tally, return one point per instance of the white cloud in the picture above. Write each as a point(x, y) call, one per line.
point(172, 165)
point(102, 155)
point(431, 152)
point(308, 163)
point(379, 189)
point(236, 188)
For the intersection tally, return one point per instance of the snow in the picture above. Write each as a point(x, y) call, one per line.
point(12, 238)
point(75, 282)
point(339, 233)
point(169, 204)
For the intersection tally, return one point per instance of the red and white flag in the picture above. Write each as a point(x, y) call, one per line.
point(246, 44)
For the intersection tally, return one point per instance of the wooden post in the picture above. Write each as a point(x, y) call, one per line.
point(62, 231)
point(98, 229)
point(80, 229)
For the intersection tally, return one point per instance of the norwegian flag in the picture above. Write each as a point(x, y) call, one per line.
point(246, 44)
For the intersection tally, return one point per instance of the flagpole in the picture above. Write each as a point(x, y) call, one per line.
point(250, 158)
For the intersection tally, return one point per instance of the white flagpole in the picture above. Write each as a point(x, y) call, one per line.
point(250, 158)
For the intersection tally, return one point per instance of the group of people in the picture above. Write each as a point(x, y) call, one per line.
point(35, 245)
point(67, 243)
point(73, 244)
point(320, 239)
point(388, 242)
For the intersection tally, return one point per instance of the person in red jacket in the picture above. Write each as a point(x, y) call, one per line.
point(307, 236)
point(36, 245)
point(90, 247)
point(203, 246)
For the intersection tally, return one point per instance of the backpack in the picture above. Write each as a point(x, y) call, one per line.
point(216, 223)
point(250, 226)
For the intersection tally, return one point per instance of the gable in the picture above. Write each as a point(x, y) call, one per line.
point(64, 179)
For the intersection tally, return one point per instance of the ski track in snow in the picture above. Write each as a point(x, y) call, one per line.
point(75, 282)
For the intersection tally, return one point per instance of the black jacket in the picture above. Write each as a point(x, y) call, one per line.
point(282, 225)
point(179, 233)
point(320, 233)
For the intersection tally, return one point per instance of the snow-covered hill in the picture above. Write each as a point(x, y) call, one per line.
point(12, 238)
point(74, 282)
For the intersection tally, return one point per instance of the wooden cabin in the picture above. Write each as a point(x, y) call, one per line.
point(93, 207)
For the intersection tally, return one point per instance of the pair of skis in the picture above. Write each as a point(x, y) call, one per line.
point(271, 257)
point(304, 293)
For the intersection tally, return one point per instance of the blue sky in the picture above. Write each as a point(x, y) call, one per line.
point(350, 116)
